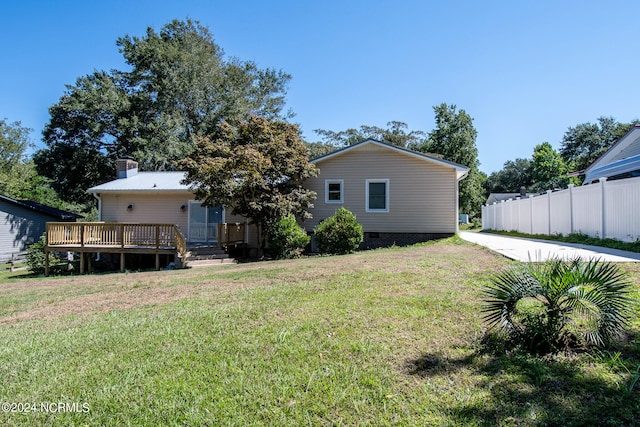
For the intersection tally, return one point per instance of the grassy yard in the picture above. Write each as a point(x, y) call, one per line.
point(386, 337)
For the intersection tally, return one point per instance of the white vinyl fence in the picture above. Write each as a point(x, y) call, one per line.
point(608, 209)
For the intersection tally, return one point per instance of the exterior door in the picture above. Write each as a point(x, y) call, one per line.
point(203, 222)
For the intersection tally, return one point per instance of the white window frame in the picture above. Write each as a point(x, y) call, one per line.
point(385, 181)
point(326, 190)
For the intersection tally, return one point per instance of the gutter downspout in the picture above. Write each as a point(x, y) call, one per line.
point(97, 196)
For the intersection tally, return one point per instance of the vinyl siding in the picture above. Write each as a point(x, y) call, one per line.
point(19, 227)
point(422, 195)
point(630, 151)
point(158, 208)
point(147, 208)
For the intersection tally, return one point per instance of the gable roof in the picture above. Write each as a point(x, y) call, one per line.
point(56, 213)
point(148, 182)
point(461, 171)
point(623, 156)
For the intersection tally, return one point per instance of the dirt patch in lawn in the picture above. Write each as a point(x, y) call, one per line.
point(33, 299)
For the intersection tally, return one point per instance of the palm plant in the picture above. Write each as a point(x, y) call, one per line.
point(547, 306)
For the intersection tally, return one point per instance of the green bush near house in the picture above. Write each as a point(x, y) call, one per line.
point(36, 258)
point(339, 234)
point(287, 239)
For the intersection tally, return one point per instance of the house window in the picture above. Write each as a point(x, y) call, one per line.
point(333, 191)
point(377, 195)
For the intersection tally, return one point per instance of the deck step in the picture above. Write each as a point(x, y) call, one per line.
point(212, 262)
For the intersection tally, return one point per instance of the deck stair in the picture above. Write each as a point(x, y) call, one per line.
point(207, 256)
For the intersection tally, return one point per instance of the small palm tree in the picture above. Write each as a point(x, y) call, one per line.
point(549, 305)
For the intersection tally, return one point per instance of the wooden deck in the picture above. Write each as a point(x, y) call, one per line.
point(129, 238)
point(110, 237)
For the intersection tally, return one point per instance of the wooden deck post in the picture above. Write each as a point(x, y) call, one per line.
point(122, 265)
point(46, 262)
point(81, 262)
point(157, 261)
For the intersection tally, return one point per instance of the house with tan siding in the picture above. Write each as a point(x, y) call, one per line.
point(398, 195)
point(162, 198)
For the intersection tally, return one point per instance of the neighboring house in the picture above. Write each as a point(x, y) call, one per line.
point(398, 195)
point(161, 197)
point(499, 197)
point(621, 160)
point(22, 222)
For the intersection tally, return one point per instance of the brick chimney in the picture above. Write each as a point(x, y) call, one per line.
point(126, 168)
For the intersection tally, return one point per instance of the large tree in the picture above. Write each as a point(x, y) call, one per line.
point(584, 143)
point(18, 176)
point(454, 138)
point(179, 88)
point(514, 175)
point(14, 142)
point(256, 167)
point(548, 170)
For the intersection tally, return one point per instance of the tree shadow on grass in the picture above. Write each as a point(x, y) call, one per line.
point(520, 389)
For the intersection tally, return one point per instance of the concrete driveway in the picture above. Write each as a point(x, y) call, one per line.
point(542, 250)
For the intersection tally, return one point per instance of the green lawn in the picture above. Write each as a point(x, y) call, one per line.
point(386, 337)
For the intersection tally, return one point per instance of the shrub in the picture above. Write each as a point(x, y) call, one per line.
point(36, 256)
point(547, 307)
point(340, 233)
point(287, 239)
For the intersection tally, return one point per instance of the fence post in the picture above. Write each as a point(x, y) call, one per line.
point(493, 209)
point(518, 214)
point(571, 208)
point(603, 226)
point(485, 219)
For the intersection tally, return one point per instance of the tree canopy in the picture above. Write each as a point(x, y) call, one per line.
point(179, 88)
point(18, 176)
point(14, 141)
point(548, 170)
point(396, 133)
point(257, 168)
point(511, 178)
point(583, 144)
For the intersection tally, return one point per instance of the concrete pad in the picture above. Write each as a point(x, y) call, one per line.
point(541, 250)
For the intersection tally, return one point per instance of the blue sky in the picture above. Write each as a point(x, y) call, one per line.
point(524, 70)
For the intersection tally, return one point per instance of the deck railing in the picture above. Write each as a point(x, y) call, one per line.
point(113, 235)
point(231, 233)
